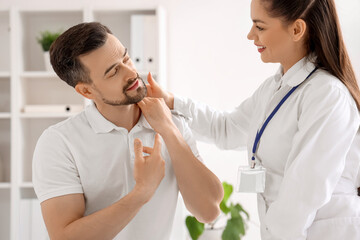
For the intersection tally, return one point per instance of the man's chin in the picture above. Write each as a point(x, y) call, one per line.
point(142, 92)
point(139, 100)
point(136, 99)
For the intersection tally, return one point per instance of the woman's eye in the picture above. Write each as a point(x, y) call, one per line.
point(259, 28)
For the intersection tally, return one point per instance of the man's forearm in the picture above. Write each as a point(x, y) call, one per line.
point(201, 189)
point(108, 222)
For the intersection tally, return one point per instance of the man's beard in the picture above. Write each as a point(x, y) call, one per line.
point(141, 92)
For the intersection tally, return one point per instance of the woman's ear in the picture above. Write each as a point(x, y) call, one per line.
point(298, 30)
point(85, 90)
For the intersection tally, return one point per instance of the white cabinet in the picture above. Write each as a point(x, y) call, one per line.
point(32, 99)
point(144, 42)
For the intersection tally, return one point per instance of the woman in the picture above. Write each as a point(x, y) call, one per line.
point(311, 146)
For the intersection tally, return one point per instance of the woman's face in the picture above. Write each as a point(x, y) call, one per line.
point(271, 36)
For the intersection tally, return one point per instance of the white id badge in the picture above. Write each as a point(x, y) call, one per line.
point(251, 180)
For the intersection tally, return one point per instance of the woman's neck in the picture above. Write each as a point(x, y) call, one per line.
point(293, 58)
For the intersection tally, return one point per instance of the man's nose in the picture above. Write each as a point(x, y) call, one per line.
point(130, 71)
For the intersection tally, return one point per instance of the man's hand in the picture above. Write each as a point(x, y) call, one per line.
point(70, 222)
point(155, 91)
point(157, 114)
point(149, 170)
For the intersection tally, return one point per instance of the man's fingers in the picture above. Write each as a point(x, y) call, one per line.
point(157, 143)
point(138, 149)
point(141, 104)
point(148, 150)
point(151, 81)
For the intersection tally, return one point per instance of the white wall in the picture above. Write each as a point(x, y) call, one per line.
point(211, 60)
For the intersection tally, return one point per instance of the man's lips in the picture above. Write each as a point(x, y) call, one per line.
point(133, 86)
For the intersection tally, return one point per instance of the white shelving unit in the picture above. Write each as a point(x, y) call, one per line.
point(5, 126)
point(24, 81)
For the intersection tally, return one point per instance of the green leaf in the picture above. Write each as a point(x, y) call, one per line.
point(235, 212)
point(228, 189)
point(224, 208)
point(231, 231)
point(241, 209)
point(47, 38)
point(240, 225)
point(194, 227)
point(234, 229)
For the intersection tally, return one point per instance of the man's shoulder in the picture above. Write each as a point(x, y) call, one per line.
point(182, 123)
point(179, 120)
point(65, 125)
point(70, 125)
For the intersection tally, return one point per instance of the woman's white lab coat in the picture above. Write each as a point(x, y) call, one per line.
point(311, 150)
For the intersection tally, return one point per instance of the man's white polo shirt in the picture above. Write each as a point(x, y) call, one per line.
point(90, 155)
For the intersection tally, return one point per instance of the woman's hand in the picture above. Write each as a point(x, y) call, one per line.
point(155, 91)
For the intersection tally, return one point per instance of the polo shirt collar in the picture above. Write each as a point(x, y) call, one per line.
point(297, 73)
point(101, 125)
point(144, 123)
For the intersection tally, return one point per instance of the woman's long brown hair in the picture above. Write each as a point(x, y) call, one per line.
point(325, 38)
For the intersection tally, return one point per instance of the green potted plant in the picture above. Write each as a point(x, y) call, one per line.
point(235, 217)
point(45, 39)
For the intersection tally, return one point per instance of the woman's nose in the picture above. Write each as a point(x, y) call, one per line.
point(250, 35)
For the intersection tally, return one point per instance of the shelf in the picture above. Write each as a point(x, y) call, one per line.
point(35, 22)
point(45, 11)
point(46, 115)
point(5, 185)
point(43, 88)
point(27, 185)
point(4, 74)
point(5, 115)
point(38, 74)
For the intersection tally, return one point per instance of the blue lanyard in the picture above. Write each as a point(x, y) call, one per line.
point(259, 133)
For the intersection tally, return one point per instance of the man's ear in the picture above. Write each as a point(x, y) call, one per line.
point(85, 89)
point(298, 30)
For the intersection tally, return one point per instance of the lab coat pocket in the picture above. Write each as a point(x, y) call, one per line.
point(335, 229)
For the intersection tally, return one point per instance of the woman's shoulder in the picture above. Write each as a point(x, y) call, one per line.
point(326, 79)
point(326, 85)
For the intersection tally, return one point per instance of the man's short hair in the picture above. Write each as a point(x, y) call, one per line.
point(74, 42)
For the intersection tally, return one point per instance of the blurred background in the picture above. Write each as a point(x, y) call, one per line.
point(202, 53)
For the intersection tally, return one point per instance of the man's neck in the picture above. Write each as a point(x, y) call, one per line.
point(122, 116)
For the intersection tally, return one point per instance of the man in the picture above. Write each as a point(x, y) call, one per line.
point(89, 171)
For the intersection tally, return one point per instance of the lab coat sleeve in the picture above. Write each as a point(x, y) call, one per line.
point(228, 130)
point(327, 124)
